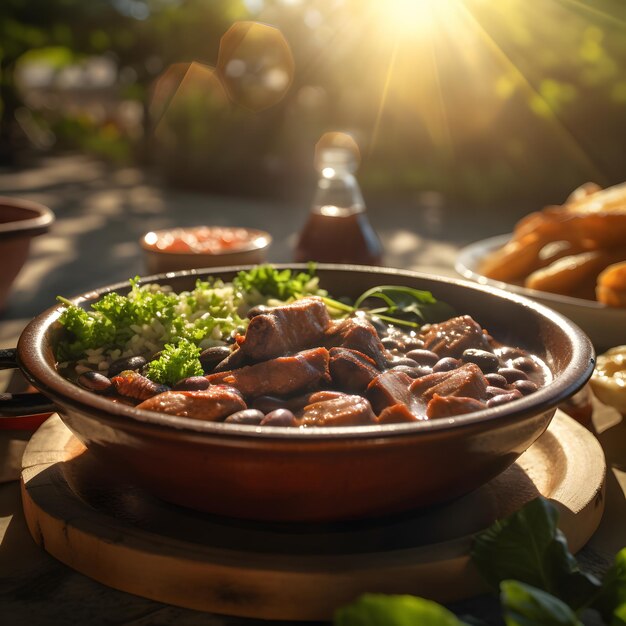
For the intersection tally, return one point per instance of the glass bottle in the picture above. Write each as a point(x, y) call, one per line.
point(337, 229)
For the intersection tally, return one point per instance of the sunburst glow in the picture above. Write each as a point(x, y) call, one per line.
point(413, 18)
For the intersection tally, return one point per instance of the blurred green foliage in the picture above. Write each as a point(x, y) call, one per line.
point(510, 103)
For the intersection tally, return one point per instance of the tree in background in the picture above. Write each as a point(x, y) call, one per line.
point(508, 102)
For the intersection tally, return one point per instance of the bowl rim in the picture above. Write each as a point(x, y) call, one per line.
point(32, 360)
point(248, 247)
point(31, 226)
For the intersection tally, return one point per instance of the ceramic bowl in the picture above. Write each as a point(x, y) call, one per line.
point(247, 246)
point(323, 474)
point(20, 221)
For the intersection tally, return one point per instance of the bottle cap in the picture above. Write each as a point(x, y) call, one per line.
point(338, 151)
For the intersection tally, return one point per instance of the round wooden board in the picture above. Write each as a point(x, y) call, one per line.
point(125, 538)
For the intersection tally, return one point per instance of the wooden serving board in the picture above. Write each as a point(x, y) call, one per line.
point(127, 539)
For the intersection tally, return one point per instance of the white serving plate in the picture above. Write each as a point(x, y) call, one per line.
point(605, 326)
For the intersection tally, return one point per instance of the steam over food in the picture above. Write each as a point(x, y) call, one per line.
point(283, 353)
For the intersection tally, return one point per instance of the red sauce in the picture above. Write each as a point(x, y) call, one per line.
point(204, 239)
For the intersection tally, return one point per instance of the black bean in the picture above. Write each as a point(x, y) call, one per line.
point(487, 361)
point(94, 381)
point(401, 360)
point(446, 364)
point(391, 344)
point(132, 363)
point(246, 416)
point(257, 310)
point(508, 353)
point(524, 363)
point(414, 343)
point(496, 380)
point(280, 417)
point(414, 372)
point(525, 386)
point(511, 374)
point(210, 357)
point(266, 404)
point(192, 383)
point(423, 357)
point(503, 398)
point(496, 391)
point(382, 329)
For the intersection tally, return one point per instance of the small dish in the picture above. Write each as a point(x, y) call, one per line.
point(175, 249)
point(605, 326)
point(20, 221)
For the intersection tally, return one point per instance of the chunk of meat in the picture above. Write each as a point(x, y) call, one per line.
point(212, 405)
point(283, 376)
point(389, 388)
point(350, 370)
point(357, 333)
point(342, 411)
point(131, 384)
point(454, 336)
point(466, 381)
point(398, 413)
point(284, 330)
point(449, 406)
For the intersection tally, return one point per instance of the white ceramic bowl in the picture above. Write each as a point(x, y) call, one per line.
point(605, 326)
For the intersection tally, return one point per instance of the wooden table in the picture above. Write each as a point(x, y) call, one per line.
point(100, 215)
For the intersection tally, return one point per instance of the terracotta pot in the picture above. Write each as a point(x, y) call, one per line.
point(20, 221)
point(323, 474)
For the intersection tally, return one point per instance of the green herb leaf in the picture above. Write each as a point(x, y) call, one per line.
point(284, 285)
point(524, 605)
point(527, 546)
point(88, 330)
point(415, 304)
point(175, 363)
point(399, 610)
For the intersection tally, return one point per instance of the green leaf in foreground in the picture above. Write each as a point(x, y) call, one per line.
point(619, 616)
point(524, 605)
point(611, 600)
point(175, 363)
point(528, 547)
point(398, 610)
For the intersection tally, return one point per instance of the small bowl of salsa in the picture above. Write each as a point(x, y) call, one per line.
point(177, 249)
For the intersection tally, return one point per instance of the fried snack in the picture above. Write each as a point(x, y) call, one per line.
point(582, 192)
point(570, 274)
point(611, 285)
point(609, 200)
point(593, 220)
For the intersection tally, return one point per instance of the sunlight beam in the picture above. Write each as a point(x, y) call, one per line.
point(383, 97)
point(606, 17)
point(563, 132)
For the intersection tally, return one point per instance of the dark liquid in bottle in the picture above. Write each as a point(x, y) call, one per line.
point(339, 239)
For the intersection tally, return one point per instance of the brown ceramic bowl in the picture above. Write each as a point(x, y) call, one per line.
point(248, 246)
point(323, 474)
point(20, 221)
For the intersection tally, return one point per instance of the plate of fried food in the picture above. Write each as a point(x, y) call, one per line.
point(571, 257)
